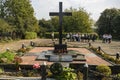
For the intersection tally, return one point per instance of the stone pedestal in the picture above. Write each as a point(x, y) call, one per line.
point(60, 48)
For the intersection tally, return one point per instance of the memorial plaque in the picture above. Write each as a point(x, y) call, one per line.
point(67, 58)
point(54, 58)
point(60, 58)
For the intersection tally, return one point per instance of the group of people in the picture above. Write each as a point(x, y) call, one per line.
point(80, 37)
point(107, 38)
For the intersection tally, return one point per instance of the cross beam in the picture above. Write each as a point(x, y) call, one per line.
point(60, 14)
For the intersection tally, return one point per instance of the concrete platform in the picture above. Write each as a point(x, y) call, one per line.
point(91, 58)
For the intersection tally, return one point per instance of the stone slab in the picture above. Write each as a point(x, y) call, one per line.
point(62, 58)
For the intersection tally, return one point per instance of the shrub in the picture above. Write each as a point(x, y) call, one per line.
point(80, 75)
point(1, 70)
point(17, 59)
point(67, 74)
point(105, 70)
point(7, 57)
point(30, 35)
point(105, 56)
point(23, 50)
point(118, 76)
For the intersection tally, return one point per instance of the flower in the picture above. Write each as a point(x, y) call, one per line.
point(36, 66)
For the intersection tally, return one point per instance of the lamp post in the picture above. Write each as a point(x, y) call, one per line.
point(85, 77)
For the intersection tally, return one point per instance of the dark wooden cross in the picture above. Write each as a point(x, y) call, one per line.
point(60, 14)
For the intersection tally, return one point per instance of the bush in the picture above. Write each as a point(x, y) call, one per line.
point(67, 74)
point(30, 35)
point(105, 70)
point(23, 50)
point(1, 70)
point(105, 56)
point(7, 57)
point(17, 59)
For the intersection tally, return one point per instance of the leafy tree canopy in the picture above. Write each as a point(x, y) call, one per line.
point(19, 13)
point(5, 27)
point(80, 21)
point(109, 22)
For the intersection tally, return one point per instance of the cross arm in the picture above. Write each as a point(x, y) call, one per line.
point(67, 13)
point(53, 14)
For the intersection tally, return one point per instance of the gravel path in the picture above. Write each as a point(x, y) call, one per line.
point(15, 45)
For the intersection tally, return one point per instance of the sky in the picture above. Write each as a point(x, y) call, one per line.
point(94, 7)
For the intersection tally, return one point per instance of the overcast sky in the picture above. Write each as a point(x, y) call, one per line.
point(95, 7)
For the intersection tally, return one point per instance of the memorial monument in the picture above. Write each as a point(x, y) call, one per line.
point(60, 52)
point(60, 48)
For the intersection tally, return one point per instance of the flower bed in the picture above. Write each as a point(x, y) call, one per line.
point(105, 56)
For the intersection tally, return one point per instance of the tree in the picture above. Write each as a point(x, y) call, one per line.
point(5, 29)
point(2, 8)
point(19, 13)
point(46, 25)
point(78, 22)
point(116, 26)
point(108, 22)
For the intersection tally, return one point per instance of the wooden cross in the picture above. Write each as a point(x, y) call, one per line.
point(60, 14)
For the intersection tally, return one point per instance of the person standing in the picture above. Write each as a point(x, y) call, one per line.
point(109, 38)
point(104, 36)
point(52, 34)
point(68, 37)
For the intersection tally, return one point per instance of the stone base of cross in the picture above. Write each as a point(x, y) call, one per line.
point(60, 48)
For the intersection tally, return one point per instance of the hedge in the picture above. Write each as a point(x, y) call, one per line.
point(30, 35)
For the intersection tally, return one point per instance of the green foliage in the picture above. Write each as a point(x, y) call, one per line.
point(1, 70)
point(7, 57)
point(118, 76)
point(20, 14)
point(56, 68)
point(5, 31)
point(105, 56)
point(80, 76)
point(17, 59)
point(4, 26)
point(67, 74)
point(105, 70)
point(23, 50)
point(80, 21)
point(108, 22)
point(30, 35)
point(46, 25)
